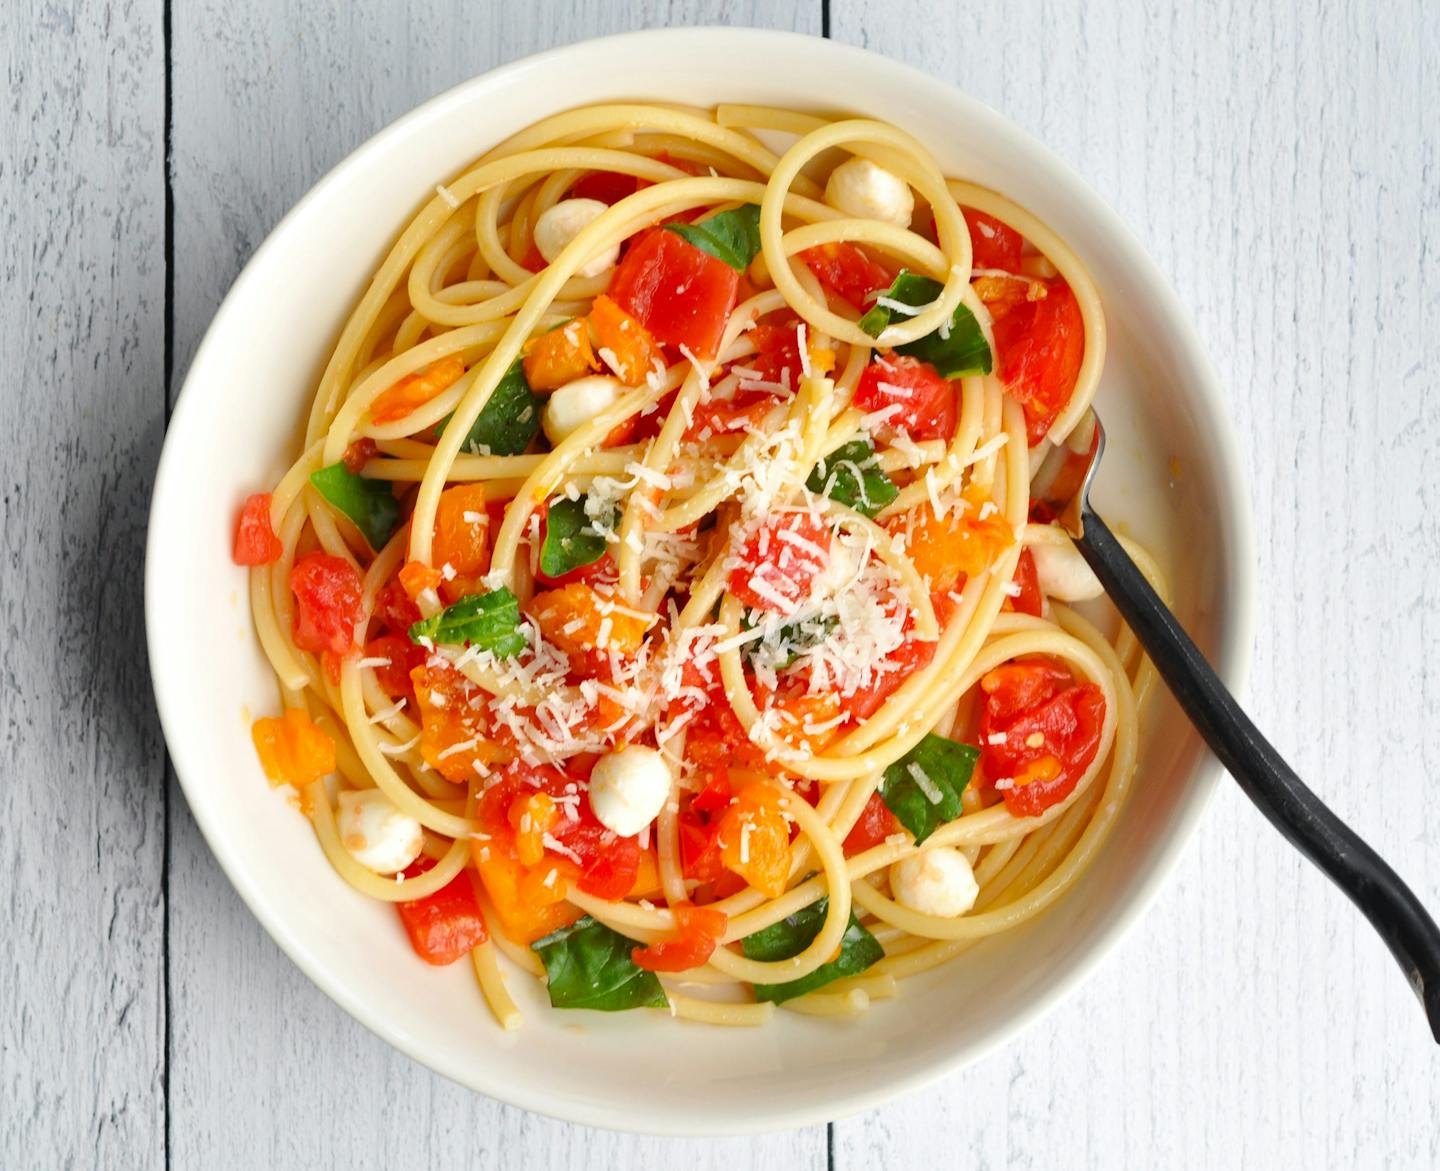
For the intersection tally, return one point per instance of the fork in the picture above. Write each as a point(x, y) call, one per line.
point(1062, 483)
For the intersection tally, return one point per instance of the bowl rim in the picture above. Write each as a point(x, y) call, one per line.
point(1232, 658)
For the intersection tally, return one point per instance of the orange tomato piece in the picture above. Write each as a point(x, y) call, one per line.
point(462, 539)
point(416, 577)
point(755, 839)
point(293, 749)
point(810, 721)
point(625, 344)
point(960, 544)
point(526, 907)
point(452, 732)
point(559, 356)
point(531, 818)
point(579, 620)
point(415, 390)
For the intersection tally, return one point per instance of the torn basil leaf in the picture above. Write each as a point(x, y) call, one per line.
point(732, 236)
point(588, 965)
point(963, 351)
point(923, 787)
point(508, 421)
point(490, 621)
point(779, 647)
point(571, 538)
point(852, 475)
point(369, 503)
point(793, 934)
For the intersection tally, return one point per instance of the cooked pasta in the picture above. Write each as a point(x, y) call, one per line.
point(657, 601)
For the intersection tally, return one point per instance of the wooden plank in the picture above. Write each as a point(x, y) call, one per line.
point(268, 97)
point(81, 415)
point(1279, 163)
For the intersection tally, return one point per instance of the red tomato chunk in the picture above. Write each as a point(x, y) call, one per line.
point(1039, 732)
point(1041, 345)
point(779, 563)
point(927, 402)
point(682, 295)
point(255, 541)
point(444, 926)
point(996, 245)
point(328, 603)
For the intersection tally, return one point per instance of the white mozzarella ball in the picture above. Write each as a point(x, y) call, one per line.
point(576, 403)
point(629, 788)
point(1063, 573)
point(376, 834)
point(937, 881)
point(861, 189)
point(560, 224)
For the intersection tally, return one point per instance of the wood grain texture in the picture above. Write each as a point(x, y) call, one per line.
point(267, 98)
point(1280, 165)
point(81, 417)
point(1279, 162)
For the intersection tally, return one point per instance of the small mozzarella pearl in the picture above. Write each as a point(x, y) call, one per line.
point(861, 189)
point(1063, 573)
point(560, 224)
point(937, 881)
point(576, 403)
point(375, 833)
point(629, 788)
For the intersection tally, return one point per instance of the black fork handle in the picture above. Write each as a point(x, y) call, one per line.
point(1390, 905)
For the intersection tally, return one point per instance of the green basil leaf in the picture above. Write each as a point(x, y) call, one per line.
point(964, 351)
point(589, 966)
point(793, 934)
point(490, 621)
point(508, 421)
point(571, 539)
point(369, 503)
point(732, 236)
point(782, 646)
point(852, 475)
point(923, 787)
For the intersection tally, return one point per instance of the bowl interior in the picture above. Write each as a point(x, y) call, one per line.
point(1169, 479)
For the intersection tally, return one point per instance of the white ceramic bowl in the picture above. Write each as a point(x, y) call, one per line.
point(235, 430)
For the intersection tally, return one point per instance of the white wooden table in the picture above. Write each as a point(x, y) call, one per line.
point(1282, 167)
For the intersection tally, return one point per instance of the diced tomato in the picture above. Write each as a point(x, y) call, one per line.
point(416, 577)
point(623, 342)
point(964, 542)
point(462, 538)
point(403, 657)
point(755, 839)
point(559, 355)
point(454, 736)
point(697, 929)
point(608, 187)
point(910, 656)
point(779, 563)
point(876, 823)
point(328, 603)
point(444, 926)
point(682, 295)
point(533, 259)
point(995, 244)
point(394, 608)
point(700, 848)
point(847, 272)
point(292, 748)
point(777, 354)
point(415, 390)
point(714, 797)
point(255, 541)
point(927, 402)
point(358, 454)
point(1041, 344)
point(1039, 732)
point(608, 865)
point(527, 908)
point(604, 625)
point(1029, 600)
